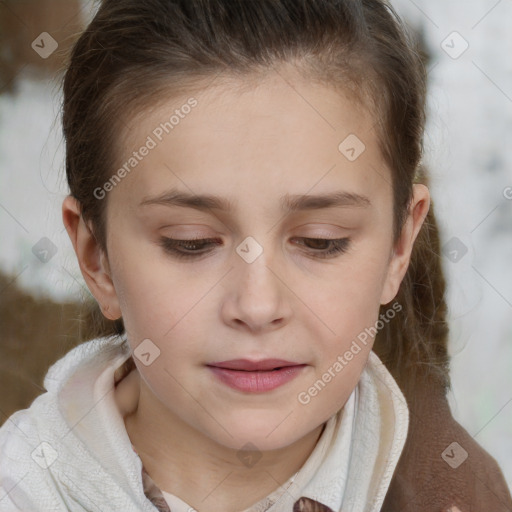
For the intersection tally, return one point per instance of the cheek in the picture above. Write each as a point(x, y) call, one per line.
point(151, 297)
point(163, 303)
point(352, 298)
point(349, 307)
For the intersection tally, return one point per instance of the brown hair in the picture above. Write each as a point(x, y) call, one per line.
point(135, 53)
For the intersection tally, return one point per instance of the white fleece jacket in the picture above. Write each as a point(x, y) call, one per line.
point(69, 451)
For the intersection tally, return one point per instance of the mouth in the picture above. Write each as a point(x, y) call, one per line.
point(256, 376)
point(254, 366)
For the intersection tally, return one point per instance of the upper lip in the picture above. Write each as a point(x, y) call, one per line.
point(248, 365)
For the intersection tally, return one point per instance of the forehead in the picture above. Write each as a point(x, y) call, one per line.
point(241, 138)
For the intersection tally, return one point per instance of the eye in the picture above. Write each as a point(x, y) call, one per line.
point(334, 246)
point(194, 248)
point(186, 248)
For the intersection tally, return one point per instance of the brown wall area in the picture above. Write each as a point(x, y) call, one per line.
point(34, 333)
point(21, 22)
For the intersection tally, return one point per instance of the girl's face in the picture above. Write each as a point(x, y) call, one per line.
point(267, 175)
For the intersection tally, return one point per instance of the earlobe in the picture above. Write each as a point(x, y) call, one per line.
point(91, 259)
point(402, 250)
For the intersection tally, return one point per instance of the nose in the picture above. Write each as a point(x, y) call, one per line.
point(257, 298)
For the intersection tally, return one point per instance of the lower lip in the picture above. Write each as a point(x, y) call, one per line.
point(256, 382)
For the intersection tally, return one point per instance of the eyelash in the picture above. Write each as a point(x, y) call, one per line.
point(172, 245)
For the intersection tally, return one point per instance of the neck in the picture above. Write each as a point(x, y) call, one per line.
point(204, 474)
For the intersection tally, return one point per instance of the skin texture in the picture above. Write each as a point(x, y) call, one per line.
point(289, 303)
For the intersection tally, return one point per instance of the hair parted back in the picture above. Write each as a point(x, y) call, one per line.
point(134, 54)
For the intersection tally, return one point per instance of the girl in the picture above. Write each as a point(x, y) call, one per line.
point(248, 210)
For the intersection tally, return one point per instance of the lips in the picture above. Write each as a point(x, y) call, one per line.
point(252, 366)
point(256, 376)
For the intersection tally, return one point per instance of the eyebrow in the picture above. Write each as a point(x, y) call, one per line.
point(289, 203)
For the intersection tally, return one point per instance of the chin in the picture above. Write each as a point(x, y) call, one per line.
point(265, 432)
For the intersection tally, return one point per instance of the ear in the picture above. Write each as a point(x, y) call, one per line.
point(401, 254)
point(91, 258)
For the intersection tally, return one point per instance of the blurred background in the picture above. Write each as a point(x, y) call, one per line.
point(468, 149)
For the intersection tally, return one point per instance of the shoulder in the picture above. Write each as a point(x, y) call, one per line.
point(25, 482)
point(86, 354)
point(37, 447)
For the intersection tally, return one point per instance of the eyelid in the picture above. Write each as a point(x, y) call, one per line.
point(324, 235)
